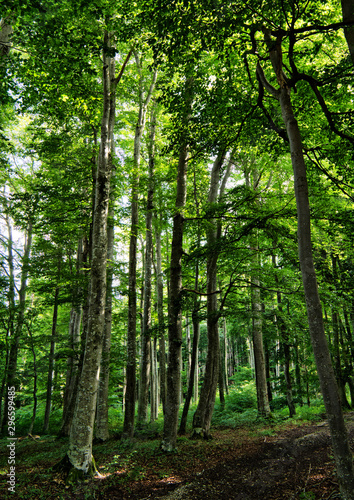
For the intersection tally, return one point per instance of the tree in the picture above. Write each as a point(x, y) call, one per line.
point(173, 385)
point(81, 432)
point(314, 311)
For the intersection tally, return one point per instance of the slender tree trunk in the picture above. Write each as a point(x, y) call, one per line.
point(329, 388)
point(130, 396)
point(173, 385)
point(257, 338)
point(13, 339)
point(146, 359)
point(299, 390)
point(5, 36)
point(257, 316)
point(35, 399)
point(14, 332)
point(102, 431)
point(154, 382)
point(78, 316)
point(204, 411)
point(160, 315)
point(284, 339)
point(193, 380)
point(81, 433)
point(193, 372)
point(225, 360)
point(348, 16)
point(48, 404)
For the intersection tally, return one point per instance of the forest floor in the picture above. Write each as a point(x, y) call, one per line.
point(269, 462)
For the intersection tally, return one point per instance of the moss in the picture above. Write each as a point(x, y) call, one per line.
point(73, 475)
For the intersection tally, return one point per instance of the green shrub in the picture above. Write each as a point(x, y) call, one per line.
point(243, 398)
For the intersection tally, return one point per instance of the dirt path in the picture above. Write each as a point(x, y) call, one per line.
point(296, 464)
point(261, 463)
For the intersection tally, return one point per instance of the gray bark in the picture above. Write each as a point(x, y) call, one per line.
point(81, 433)
point(102, 431)
point(14, 331)
point(329, 388)
point(5, 36)
point(204, 411)
point(160, 315)
point(129, 415)
point(175, 320)
point(51, 364)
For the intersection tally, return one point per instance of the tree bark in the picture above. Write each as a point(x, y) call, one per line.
point(5, 36)
point(14, 333)
point(348, 16)
point(12, 338)
point(173, 385)
point(146, 359)
point(160, 316)
point(173, 381)
point(49, 391)
point(284, 339)
point(339, 435)
point(193, 372)
point(130, 395)
point(81, 433)
point(204, 411)
point(257, 317)
point(102, 430)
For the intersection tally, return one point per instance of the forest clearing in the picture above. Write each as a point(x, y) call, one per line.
point(176, 247)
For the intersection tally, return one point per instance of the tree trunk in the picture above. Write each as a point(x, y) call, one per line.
point(160, 315)
point(204, 411)
point(35, 399)
point(154, 382)
point(78, 315)
point(14, 333)
point(81, 433)
point(102, 431)
point(339, 435)
point(257, 339)
point(5, 36)
point(348, 16)
point(173, 385)
point(130, 396)
point(284, 339)
point(49, 391)
point(193, 372)
point(173, 379)
point(12, 338)
point(146, 359)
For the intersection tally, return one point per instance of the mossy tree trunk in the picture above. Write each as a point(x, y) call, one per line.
point(81, 432)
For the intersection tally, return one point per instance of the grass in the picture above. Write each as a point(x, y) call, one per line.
point(127, 462)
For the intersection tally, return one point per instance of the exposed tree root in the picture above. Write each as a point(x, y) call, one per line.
point(73, 475)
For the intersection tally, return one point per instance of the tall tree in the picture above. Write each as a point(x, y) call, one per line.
point(175, 299)
point(81, 433)
point(144, 100)
point(325, 371)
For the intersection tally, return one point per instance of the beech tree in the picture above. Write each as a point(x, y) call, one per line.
point(270, 82)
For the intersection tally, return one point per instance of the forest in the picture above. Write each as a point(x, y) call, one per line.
point(176, 234)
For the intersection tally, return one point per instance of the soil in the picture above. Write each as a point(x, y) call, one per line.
point(269, 463)
point(295, 464)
